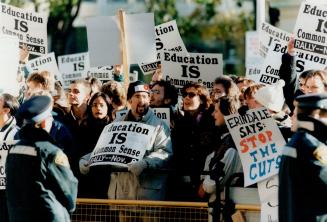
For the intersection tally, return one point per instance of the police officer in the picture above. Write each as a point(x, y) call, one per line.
point(40, 184)
point(303, 168)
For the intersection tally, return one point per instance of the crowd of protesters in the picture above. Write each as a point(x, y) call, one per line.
point(196, 140)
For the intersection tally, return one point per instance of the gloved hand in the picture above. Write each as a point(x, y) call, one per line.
point(84, 167)
point(137, 167)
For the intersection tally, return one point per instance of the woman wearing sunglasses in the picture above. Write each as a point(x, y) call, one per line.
point(192, 138)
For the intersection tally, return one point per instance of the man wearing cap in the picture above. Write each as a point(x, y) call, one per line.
point(40, 184)
point(303, 168)
point(139, 183)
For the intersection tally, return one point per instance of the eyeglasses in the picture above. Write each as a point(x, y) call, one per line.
point(189, 94)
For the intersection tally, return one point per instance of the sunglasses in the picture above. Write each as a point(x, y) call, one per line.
point(189, 94)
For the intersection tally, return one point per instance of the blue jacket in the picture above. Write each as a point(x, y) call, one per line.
point(40, 184)
point(303, 177)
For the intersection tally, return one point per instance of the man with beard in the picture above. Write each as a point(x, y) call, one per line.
point(164, 95)
point(139, 182)
point(303, 167)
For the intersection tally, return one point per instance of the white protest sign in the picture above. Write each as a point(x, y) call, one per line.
point(163, 114)
point(259, 143)
point(269, 34)
point(317, 2)
point(45, 63)
point(103, 38)
point(4, 147)
point(252, 56)
point(311, 28)
point(270, 67)
point(104, 41)
point(140, 38)
point(30, 27)
point(253, 72)
point(9, 60)
point(122, 142)
point(268, 193)
point(179, 69)
point(73, 66)
point(103, 73)
point(133, 76)
point(269, 70)
point(169, 39)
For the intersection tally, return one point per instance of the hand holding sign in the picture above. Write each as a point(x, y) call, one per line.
point(137, 167)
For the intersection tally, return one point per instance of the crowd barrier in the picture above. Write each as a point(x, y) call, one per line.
point(134, 211)
point(100, 210)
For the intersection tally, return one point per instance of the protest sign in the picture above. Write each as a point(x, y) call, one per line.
point(269, 69)
point(73, 66)
point(259, 143)
point(104, 39)
point(169, 39)
point(133, 76)
point(9, 60)
point(163, 114)
point(140, 38)
point(122, 142)
point(180, 70)
point(252, 56)
point(311, 28)
point(30, 27)
point(149, 68)
point(4, 147)
point(268, 193)
point(45, 63)
point(103, 73)
point(269, 34)
point(253, 72)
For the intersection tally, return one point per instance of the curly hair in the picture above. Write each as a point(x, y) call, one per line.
point(203, 93)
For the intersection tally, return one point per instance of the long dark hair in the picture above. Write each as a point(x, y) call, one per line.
point(94, 97)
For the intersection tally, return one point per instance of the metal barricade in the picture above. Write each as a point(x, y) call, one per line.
point(137, 210)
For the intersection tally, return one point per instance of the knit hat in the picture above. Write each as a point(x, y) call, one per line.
point(137, 86)
point(271, 96)
point(36, 109)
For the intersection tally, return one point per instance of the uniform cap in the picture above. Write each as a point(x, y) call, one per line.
point(36, 109)
point(312, 101)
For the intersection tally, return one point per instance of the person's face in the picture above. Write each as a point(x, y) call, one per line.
point(99, 108)
point(32, 87)
point(77, 94)
point(191, 100)
point(314, 85)
point(302, 84)
point(118, 69)
point(3, 110)
point(218, 91)
point(157, 96)
point(252, 103)
point(139, 103)
point(218, 116)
